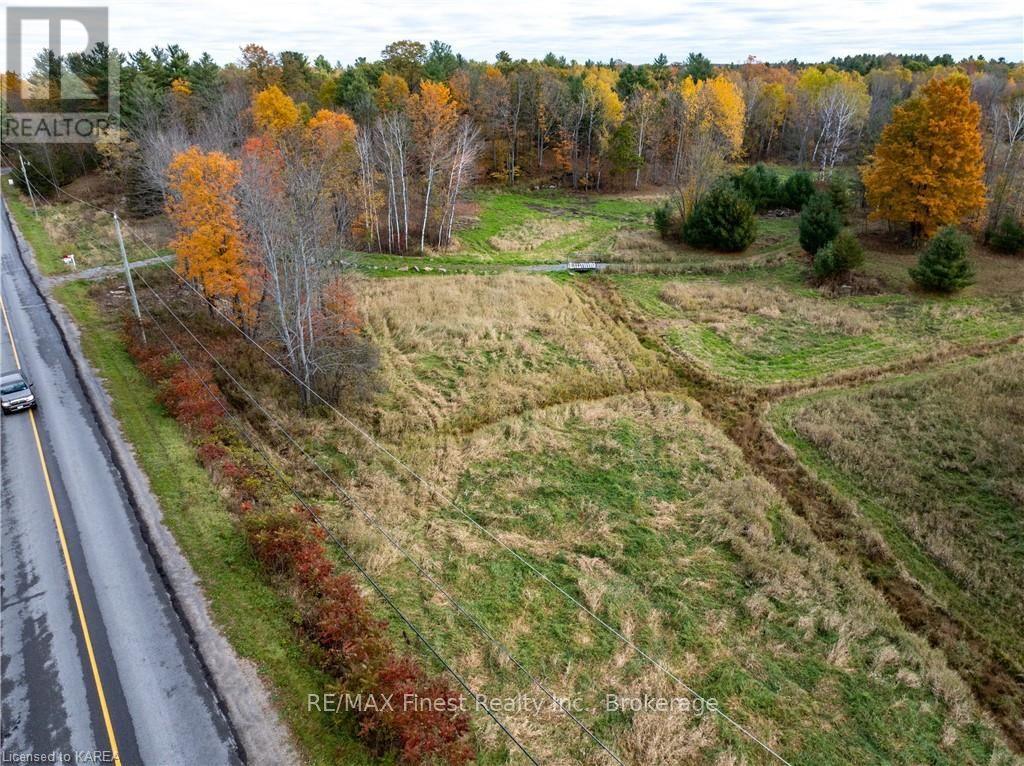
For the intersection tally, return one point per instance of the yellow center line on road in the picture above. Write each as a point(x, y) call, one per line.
point(67, 559)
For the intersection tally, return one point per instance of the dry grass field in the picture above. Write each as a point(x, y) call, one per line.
point(937, 461)
point(648, 515)
point(466, 350)
point(511, 393)
point(552, 408)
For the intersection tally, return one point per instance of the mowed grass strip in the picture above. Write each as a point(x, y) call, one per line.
point(535, 227)
point(764, 326)
point(935, 460)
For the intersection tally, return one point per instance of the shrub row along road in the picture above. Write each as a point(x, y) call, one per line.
point(95, 658)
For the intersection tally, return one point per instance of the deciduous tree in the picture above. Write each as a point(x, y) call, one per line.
point(927, 170)
point(209, 241)
point(274, 111)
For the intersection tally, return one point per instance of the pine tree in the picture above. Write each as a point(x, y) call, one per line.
point(1007, 236)
point(722, 220)
point(796, 190)
point(820, 222)
point(943, 265)
point(838, 257)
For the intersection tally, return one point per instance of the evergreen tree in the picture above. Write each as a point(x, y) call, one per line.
point(698, 66)
point(796, 190)
point(838, 257)
point(943, 265)
point(819, 223)
point(1007, 236)
point(760, 185)
point(722, 220)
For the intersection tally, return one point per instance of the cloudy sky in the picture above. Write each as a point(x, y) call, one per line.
point(724, 30)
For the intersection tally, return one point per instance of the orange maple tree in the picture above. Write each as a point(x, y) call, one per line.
point(927, 170)
point(209, 241)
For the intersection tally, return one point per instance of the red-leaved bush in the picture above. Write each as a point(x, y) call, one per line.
point(192, 397)
point(357, 650)
point(353, 640)
point(189, 393)
point(211, 453)
point(354, 645)
point(285, 544)
point(426, 723)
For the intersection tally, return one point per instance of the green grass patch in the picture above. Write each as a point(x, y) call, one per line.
point(47, 255)
point(515, 227)
point(764, 326)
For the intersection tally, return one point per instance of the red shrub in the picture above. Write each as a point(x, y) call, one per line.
point(192, 397)
point(427, 724)
point(354, 642)
point(229, 469)
point(279, 539)
point(210, 453)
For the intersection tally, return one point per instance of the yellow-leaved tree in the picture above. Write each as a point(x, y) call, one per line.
point(209, 241)
point(273, 111)
point(711, 130)
point(392, 92)
point(927, 170)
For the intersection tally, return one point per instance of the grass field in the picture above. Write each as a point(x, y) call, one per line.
point(766, 326)
point(559, 426)
point(935, 460)
point(647, 514)
point(468, 350)
point(639, 508)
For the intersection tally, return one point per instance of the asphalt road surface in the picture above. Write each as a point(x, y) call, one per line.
point(95, 658)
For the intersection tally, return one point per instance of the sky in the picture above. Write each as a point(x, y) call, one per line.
point(724, 30)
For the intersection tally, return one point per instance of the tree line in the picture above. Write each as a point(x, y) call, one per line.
point(430, 122)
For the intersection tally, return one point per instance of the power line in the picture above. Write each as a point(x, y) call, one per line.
point(329, 532)
point(451, 504)
point(387, 535)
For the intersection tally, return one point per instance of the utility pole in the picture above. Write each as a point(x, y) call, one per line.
point(128, 276)
point(28, 185)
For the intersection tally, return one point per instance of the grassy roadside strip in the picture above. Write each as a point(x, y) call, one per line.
point(256, 620)
point(47, 255)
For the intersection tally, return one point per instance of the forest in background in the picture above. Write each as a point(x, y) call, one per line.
point(429, 123)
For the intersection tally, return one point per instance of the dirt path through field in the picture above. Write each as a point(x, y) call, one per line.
point(996, 679)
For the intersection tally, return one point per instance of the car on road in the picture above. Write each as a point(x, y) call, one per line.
point(15, 392)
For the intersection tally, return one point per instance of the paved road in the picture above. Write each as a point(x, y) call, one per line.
point(93, 651)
